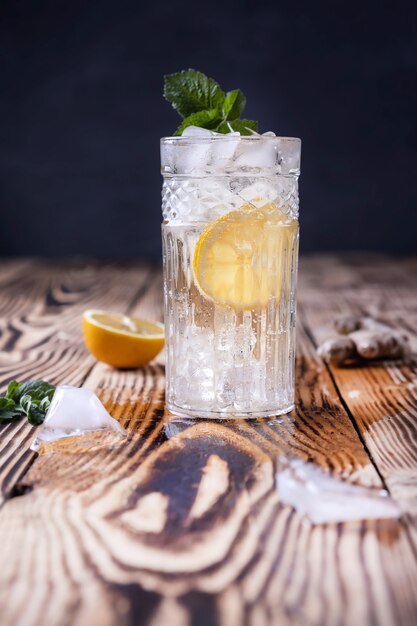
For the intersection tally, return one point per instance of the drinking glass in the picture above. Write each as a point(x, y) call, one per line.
point(230, 252)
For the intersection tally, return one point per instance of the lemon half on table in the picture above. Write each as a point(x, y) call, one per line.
point(120, 340)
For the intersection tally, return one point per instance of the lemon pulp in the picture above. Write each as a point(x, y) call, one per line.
point(242, 259)
point(120, 340)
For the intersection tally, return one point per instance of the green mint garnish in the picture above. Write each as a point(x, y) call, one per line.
point(238, 125)
point(201, 102)
point(32, 399)
point(204, 119)
point(233, 104)
point(191, 91)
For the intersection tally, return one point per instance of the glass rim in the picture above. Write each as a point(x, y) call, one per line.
point(226, 137)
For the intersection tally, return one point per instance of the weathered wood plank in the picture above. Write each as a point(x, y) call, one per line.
point(244, 550)
point(182, 523)
point(382, 397)
point(40, 333)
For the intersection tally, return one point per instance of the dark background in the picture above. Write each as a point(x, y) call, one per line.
point(82, 112)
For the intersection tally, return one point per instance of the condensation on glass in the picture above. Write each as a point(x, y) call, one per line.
point(227, 360)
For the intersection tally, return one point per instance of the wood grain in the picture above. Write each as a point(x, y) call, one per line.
point(40, 334)
point(182, 523)
point(382, 397)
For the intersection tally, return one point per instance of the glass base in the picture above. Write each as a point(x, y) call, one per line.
point(225, 415)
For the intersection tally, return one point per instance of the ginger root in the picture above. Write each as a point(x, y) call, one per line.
point(363, 339)
point(338, 350)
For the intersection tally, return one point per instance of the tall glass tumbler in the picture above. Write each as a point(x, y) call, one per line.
point(230, 248)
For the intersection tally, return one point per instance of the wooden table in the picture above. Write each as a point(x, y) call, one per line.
point(183, 525)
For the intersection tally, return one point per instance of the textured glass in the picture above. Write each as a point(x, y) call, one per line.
point(230, 358)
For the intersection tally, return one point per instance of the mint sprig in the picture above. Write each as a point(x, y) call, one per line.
point(233, 104)
point(192, 91)
point(31, 398)
point(201, 102)
point(203, 119)
point(241, 126)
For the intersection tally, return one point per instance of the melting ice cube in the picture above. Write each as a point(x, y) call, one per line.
point(224, 151)
point(198, 156)
point(192, 158)
point(76, 411)
point(323, 498)
point(260, 153)
point(197, 131)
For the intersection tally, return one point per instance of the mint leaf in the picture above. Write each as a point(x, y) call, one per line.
point(233, 104)
point(36, 415)
point(8, 410)
point(13, 385)
point(31, 398)
point(37, 390)
point(201, 102)
point(204, 119)
point(190, 91)
point(242, 126)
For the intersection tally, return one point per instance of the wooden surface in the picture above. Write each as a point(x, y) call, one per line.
point(182, 525)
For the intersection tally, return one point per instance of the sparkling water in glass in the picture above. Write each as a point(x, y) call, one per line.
point(230, 246)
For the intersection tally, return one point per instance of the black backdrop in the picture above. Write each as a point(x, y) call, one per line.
point(82, 111)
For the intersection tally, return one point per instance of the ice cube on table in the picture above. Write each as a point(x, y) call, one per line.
point(75, 411)
point(322, 498)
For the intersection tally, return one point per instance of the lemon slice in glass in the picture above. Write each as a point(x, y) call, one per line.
point(120, 340)
point(242, 258)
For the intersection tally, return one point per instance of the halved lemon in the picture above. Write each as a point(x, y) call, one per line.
point(120, 340)
point(243, 258)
